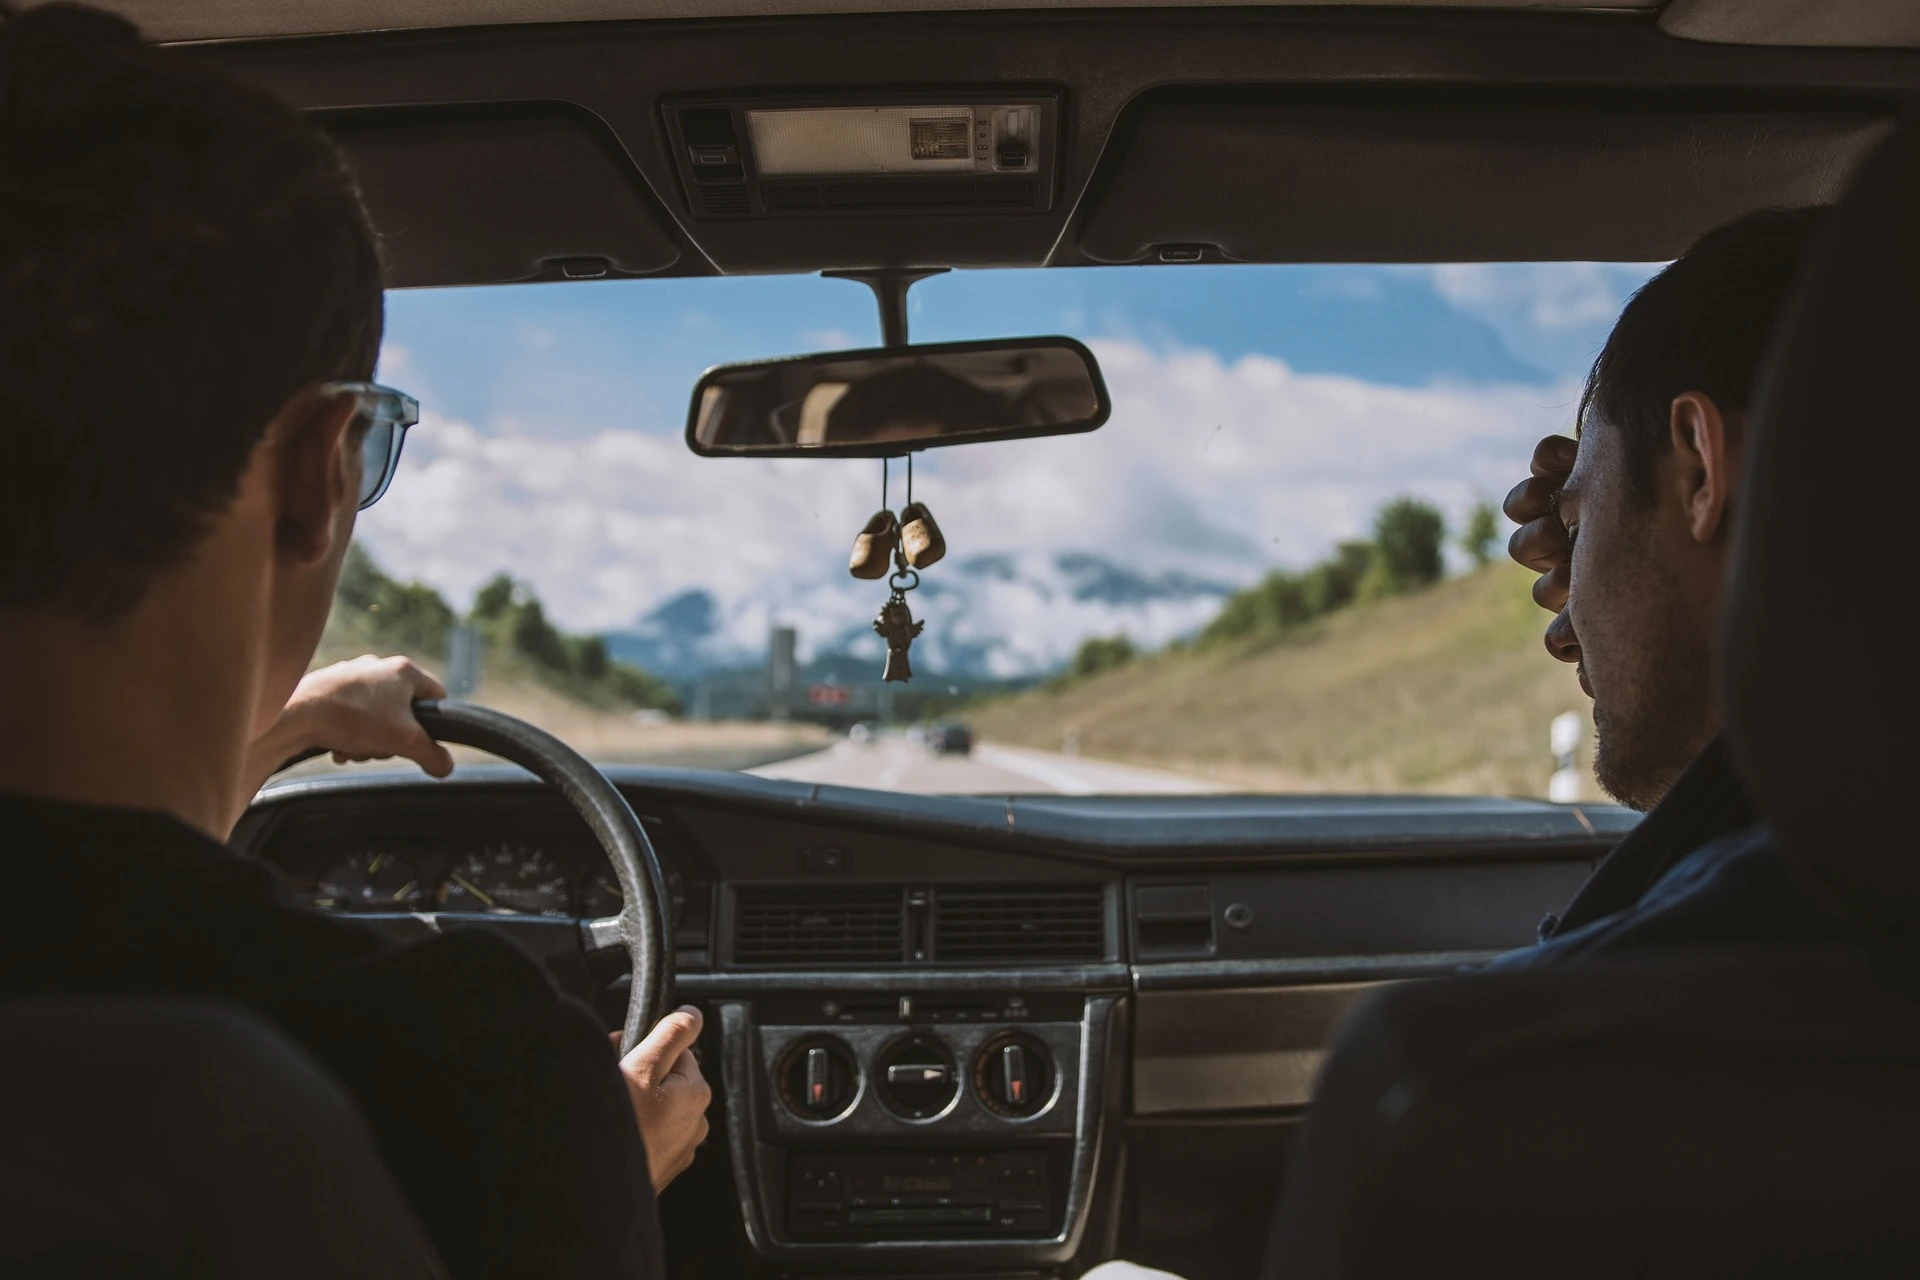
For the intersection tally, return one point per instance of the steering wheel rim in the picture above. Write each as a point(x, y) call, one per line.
point(642, 921)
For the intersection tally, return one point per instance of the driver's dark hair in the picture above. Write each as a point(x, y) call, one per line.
point(180, 252)
point(1702, 324)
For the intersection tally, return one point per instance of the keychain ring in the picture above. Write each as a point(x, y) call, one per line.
point(906, 581)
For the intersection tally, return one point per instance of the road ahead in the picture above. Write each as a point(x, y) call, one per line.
point(894, 762)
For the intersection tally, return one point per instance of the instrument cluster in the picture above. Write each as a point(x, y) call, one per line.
point(506, 877)
point(485, 856)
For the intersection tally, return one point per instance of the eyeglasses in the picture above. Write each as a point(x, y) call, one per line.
point(388, 414)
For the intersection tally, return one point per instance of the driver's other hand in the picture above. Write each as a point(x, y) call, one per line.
point(1540, 543)
point(362, 709)
point(669, 1094)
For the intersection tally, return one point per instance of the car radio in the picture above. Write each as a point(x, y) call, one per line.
point(937, 1194)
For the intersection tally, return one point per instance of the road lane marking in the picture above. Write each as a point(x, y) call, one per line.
point(1045, 772)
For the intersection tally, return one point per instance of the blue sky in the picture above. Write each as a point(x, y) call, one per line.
point(1260, 414)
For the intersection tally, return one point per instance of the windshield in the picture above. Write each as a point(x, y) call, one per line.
point(1278, 567)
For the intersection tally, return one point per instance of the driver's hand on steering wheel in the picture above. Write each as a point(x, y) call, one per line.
point(1540, 543)
point(669, 1094)
point(359, 710)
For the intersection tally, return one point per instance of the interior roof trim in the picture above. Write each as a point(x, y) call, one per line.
point(1832, 24)
point(198, 20)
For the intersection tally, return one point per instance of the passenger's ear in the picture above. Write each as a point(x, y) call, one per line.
point(1705, 462)
point(319, 481)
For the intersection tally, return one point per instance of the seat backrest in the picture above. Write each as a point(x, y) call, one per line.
point(145, 1137)
point(1688, 1115)
point(1823, 708)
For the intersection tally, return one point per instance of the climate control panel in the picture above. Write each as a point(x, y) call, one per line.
point(884, 1079)
point(943, 1131)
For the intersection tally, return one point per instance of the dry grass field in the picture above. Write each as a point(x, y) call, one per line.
point(1448, 690)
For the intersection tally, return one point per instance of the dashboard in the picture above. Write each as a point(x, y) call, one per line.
point(980, 1033)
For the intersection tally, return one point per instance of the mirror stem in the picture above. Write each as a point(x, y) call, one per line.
point(889, 285)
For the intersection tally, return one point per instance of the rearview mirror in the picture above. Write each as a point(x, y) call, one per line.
point(894, 400)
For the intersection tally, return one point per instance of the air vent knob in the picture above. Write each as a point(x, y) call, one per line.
point(915, 1077)
point(817, 1079)
point(1014, 1075)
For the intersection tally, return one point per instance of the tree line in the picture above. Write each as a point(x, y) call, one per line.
point(516, 634)
point(1405, 553)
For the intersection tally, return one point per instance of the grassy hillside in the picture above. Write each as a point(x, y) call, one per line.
point(1447, 689)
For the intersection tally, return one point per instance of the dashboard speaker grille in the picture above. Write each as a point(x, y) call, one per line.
point(1020, 924)
point(838, 926)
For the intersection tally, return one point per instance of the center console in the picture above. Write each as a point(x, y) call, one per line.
point(950, 1128)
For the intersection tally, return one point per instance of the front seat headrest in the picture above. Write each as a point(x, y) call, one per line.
point(1822, 702)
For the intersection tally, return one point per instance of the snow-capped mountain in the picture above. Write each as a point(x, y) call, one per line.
point(989, 617)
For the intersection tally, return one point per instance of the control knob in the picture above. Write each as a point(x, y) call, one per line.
point(818, 1079)
point(1014, 1075)
point(915, 1077)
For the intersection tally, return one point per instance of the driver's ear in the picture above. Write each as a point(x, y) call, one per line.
point(318, 478)
point(1705, 462)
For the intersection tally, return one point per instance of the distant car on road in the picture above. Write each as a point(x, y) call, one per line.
point(950, 738)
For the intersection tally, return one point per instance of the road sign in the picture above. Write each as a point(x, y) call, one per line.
point(830, 695)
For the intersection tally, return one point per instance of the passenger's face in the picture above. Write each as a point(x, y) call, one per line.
point(1637, 621)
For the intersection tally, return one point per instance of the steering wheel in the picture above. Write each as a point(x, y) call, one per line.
point(641, 925)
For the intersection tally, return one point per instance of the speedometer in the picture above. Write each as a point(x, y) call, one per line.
point(369, 881)
point(505, 879)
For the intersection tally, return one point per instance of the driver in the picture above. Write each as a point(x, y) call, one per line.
point(189, 310)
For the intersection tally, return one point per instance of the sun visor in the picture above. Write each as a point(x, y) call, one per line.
point(499, 198)
point(1262, 181)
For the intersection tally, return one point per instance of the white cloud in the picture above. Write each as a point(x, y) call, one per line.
point(1554, 296)
point(1219, 470)
point(828, 339)
point(394, 358)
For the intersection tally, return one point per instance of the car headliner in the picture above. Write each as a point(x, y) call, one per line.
point(1426, 132)
point(1853, 23)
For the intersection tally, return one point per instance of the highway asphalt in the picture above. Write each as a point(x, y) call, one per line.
point(898, 762)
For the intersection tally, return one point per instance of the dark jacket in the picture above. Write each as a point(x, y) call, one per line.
point(494, 1099)
point(1701, 870)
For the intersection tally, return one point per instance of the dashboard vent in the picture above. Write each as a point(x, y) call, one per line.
point(1020, 924)
point(833, 926)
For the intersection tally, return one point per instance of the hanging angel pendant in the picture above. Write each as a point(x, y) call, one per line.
point(897, 627)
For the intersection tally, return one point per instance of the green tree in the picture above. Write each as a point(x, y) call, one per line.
point(494, 598)
point(637, 688)
point(1101, 653)
point(587, 656)
point(407, 617)
point(1407, 538)
point(1481, 533)
point(1334, 583)
point(530, 635)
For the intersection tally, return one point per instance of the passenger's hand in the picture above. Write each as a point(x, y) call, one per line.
point(1540, 543)
point(669, 1094)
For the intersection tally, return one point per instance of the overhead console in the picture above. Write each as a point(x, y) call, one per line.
point(1412, 176)
point(901, 154)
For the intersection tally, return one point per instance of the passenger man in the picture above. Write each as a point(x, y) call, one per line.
point(190, 309)
point(1630, 529)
